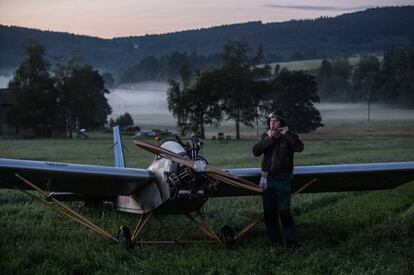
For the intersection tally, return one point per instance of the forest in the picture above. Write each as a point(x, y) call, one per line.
point(370, 31)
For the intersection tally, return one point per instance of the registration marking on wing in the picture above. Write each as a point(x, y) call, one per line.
point(57, 164)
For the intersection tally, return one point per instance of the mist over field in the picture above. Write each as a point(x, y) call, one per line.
point(4, 81)
point(147, 104)
point(359, 111)
point(139, 98)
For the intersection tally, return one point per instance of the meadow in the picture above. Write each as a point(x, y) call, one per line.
point(341, 233)
point(312, 64)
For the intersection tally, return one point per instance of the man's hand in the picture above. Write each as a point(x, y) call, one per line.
point(263, 182)
point(283, 130)
point(273, 133)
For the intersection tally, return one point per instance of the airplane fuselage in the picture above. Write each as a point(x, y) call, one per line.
point(174, 189)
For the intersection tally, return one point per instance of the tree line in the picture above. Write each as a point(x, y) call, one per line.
point(243, 92)
point(351, 33)
point(389, 81)
point(69, 97)
point(167, 66)
point(122, 121)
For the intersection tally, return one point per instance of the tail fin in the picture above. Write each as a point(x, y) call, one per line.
point(118, 148)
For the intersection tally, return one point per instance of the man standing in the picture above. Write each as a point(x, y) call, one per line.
point(278, 145)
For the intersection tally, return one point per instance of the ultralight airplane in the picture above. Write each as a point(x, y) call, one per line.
point(179, 181)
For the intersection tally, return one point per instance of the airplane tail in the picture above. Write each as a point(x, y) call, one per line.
point(118, 148)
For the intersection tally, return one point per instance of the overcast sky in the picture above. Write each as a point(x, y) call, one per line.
point(110, 18)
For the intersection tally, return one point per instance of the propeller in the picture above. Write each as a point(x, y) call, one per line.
point(200, 167)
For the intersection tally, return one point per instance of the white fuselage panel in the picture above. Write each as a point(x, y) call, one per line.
point(157, 192)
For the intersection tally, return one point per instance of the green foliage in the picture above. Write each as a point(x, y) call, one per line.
point(35, 93)
point(366, 78)
point(122, 121)
point(241, 84)
point(342, 35)
point(295, 93)
point(83, 96)
point(167, 66)
point(332, 38)
point(397, 73)
point(196, 104)
point(75, 94)
point(370, 80)
point(111, 123)
point(241, 91)
point(177, 104)
point(333, 79)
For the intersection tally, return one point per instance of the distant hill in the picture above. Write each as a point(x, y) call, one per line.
point(368, 31)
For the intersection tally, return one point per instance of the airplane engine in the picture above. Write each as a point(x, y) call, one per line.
point(183, 181)
point(175, 187)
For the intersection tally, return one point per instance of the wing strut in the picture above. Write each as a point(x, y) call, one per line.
point(202, 224)
point(49, 200)
point(141, 223)
point(225, 237)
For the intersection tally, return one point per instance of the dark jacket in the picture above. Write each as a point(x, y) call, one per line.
point(278, 154)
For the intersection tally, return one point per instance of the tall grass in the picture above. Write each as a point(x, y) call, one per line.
point(359, 232)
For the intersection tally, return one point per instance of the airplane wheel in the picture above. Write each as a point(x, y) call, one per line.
point(228, 236)
point(124, 236)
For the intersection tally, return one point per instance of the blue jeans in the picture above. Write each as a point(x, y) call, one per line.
point(276, 204)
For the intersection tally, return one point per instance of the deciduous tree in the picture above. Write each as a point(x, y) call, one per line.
point(83, 97)
point(295, 93)
point(124, 120)
point(195, 102)
point(239, 82)
point(36, 96)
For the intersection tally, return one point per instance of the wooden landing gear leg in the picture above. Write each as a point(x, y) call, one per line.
point(130, 241)
point(204, 226)
point(48, 200)
point(140, 225)
point(250, 225)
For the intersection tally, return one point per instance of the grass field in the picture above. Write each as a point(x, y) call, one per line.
point(358, 232)
point(311, 64)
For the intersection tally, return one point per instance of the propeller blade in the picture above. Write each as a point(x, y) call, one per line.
point(239, 183)
point(157, 150)
point(211, 171)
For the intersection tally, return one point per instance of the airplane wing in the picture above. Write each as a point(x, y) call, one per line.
point(332, 178)
point(76, 178)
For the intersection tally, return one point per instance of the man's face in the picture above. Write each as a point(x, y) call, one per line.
point(274, 123)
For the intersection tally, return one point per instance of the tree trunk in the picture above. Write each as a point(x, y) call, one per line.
point(257, 123)
point(70, 129)
point(238, 126)
point(202, 130)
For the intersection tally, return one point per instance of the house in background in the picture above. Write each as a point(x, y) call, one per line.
point(6, 101)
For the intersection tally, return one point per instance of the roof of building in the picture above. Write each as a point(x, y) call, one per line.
point(6, 97)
